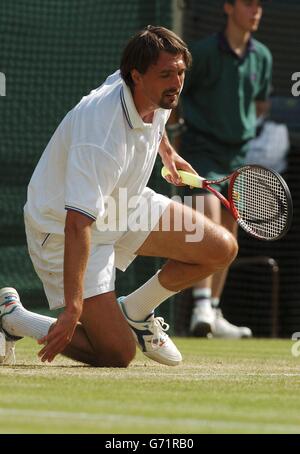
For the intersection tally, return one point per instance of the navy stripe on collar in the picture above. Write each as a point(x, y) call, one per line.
point(125, 109)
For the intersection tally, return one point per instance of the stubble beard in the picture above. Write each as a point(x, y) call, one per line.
point(164, 104)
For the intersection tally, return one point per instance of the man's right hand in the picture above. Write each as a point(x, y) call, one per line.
point(59, 335)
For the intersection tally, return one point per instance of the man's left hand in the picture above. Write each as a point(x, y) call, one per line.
point(173, 162)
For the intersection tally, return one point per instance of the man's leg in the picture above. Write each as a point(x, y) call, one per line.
point(219, 278)
point(206, 316)
point(222, 327)
point(203, 315)
point(107, 331)
point(103, 338)
point(102, 320)
point(188, 262)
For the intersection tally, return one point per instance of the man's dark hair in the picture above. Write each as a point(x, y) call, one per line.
point(144, 48)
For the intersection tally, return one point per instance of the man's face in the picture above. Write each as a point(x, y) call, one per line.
point(162, 83)
point(246, 14)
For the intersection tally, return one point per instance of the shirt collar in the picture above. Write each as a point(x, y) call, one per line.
point(132, 116)
point(225, 47)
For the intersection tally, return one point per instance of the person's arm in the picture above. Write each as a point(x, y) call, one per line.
point(173, 161)
point(262, 101)
point(175, 127)
point(77, 249)
point(265, 81)
point(262, 108)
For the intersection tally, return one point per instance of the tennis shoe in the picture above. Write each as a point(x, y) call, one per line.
point(8, 355)
point(223, 329)
point(2, 346)
point(151, 338)
point(207, 321)
point(202, 319)
point(9, 300)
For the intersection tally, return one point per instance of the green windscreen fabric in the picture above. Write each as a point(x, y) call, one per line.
point(52, 53)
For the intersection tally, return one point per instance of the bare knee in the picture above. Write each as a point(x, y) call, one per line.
point(224, 251)
point(220, 251)
point(119, 359)
point(115, 357)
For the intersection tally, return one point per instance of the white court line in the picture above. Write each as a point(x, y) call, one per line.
point(145, 421)
point(212, 376)
point(146, 372)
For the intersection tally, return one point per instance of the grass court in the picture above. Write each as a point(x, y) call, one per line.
point(244, 386)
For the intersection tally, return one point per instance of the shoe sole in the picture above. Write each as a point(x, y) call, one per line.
point(164, 361)
point(202, 329)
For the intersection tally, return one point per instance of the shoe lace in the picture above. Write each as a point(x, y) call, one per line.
point(10, 357)
point(158, 327)
point(219, 313)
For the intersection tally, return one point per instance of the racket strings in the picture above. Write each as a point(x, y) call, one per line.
point(261, 202)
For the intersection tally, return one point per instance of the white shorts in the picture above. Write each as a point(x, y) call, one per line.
point(46, 251)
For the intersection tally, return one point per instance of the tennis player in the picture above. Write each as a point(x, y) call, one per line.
point(105, 146)
point(229, 85)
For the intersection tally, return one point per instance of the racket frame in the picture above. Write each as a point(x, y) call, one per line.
point(229, 203)
point(235, 213)
point(201, 182)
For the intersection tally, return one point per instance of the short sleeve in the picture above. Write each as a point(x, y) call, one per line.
point(91, 175)
point(266, 78)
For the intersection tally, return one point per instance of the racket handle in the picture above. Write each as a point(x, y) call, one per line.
point(187, 178)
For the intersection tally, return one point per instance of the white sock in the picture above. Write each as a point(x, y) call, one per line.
point(24, 323)
point(2, 346)
point(202, 297)
point(215, 302)
point(139, 304)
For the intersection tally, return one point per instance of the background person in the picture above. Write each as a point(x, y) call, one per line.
point(228, 85)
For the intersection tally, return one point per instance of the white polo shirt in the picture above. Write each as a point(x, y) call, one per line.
point(101, 145)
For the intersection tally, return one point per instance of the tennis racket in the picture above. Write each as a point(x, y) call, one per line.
point(258, 199)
